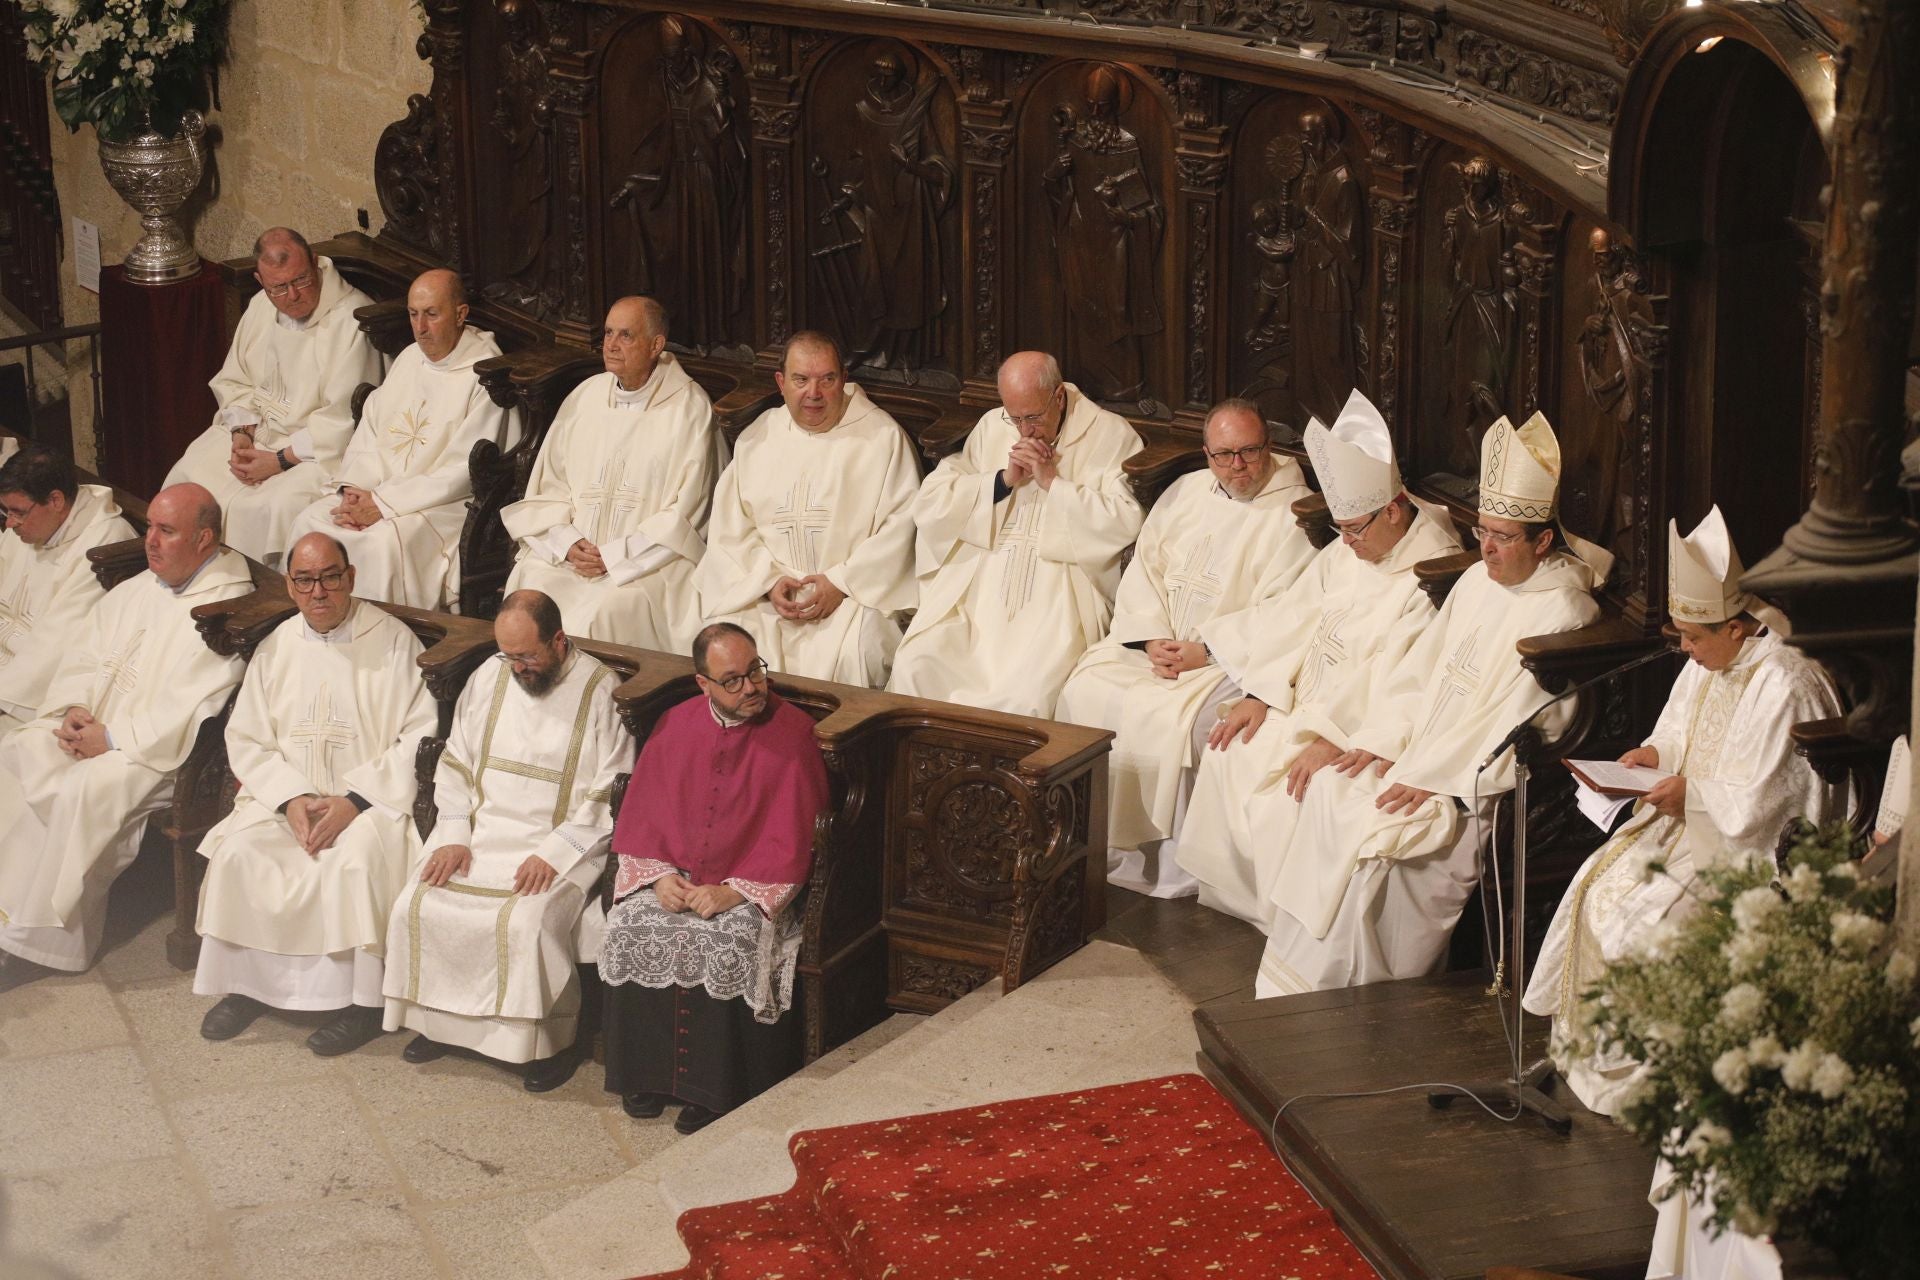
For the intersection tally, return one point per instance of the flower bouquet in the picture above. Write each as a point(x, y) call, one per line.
point(1780, 1035)
point(125, 65)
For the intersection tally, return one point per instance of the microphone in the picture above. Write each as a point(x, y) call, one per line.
point(1520, 730)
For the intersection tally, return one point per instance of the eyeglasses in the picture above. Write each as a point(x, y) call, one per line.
point(1246, 457)
point(332, 580)
point(1035, 419)
point(757, 672)
point(1497, 539)
point(1354, 535)
point(18, 515)
point(298, 284)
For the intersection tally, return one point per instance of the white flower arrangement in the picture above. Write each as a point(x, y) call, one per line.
point(1780, 1043)
point(125, 64)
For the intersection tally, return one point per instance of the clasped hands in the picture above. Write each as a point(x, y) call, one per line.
point(676, 894)
point(1398, 798)
point(318, 820)
point(535, 875)
point(584, 559)
point(1172, 657)
point(1667, 796)
point(1031, 459)
point(80, 735)
point(251, 466)
point(792, 599)
point(356, 509)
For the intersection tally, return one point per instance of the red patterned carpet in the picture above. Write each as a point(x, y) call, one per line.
point(1161, 1178)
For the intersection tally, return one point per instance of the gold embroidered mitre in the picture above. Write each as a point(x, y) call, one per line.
point(1703, 573)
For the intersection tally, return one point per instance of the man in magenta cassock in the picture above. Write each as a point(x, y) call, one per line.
point(715, 840)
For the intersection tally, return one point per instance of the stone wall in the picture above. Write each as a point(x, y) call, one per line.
point(307, 87)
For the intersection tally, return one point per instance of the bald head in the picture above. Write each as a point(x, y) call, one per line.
point(282, 247)
point(636, 334)
point(437, 310)
point(1033, 394)
point(1035, 372)
point(183, 532)
point(283, 266)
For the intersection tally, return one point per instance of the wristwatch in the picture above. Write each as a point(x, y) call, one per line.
point(280, 456)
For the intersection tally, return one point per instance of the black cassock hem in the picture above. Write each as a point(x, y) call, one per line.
point(683, 1044)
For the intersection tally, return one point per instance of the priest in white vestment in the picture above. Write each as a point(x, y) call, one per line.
point(811, 544)
point(1218, 541)
point(302, 873)
point(1377, 872)
point(47, 587)
point(398, 499)
point(482, 945)
point(125, 705)
point(615, 516)
point(285, 396)
point(1307, 661)
point(1020, 537)
point(1725, 737)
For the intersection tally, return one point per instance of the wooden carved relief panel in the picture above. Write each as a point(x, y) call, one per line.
point(675, 190)
point(880, 238)
point(1297, 323)
point(1094, 162)
point(516, 205)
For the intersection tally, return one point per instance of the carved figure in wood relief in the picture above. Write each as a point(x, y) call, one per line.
point(522, 120)
point(1614, 369)
point(1106, 230)
point(1481, 307)
point(882, 264)
point(1332, 213)
point(1271, 329)
point(686, 194)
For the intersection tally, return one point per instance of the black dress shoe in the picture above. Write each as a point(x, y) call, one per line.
point(544, 1075)
point(421, 1049)
point(230, 1017)
point(644, 1106)
point(693, 1119)
point(16, 972)
point(353, 1027)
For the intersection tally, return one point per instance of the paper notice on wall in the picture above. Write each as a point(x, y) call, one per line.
point(86, 255)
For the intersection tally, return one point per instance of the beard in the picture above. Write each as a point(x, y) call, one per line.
point(538, 683)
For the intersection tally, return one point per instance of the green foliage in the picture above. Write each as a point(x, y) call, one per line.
point(124, 64)
point(1780, 1033)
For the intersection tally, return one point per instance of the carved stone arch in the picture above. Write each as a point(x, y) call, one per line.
point(1099, 266)
point(1297, 338)
point(880, 236)
point(676, 185)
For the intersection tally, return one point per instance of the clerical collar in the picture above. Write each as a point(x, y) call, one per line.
point(723, 719)
point(342, 632)
point(625, 399)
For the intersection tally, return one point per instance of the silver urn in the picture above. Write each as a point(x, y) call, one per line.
point(155, 174)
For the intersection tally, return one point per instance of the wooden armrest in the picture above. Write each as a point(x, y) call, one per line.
point(386, 326)
point(1565, 657)
point(358, 404)
point(1837, 755)
point(1315, 519)
point(114, 562)
point(1150, 471)
point(948, 434)
point(234, 628)
point(536, 375)
point(1438, 575)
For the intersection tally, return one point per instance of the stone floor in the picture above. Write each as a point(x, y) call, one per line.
point(130, 1146)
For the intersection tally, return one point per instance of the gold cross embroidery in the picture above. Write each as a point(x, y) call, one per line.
point(1192, 589)
point(801, 521)
point(322, 733)
point(16, 619)
point(408, 432)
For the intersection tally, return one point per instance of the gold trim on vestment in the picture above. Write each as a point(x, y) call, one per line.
point(486, 735)
point(522, 769)
point(501, 922)
point(560, 805)
point(453, 762)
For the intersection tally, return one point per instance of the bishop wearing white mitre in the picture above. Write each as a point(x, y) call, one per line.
point(302, 873)
point(1020, 536)
point(615, 516)
point(47, 587)
point(1376, 872)
point(1308, 661)
point(482, 947)
point(1725, 737)
point(285, 396)
point(398, 499)
point(811, 544)
point(126, 702)
point(1216, 542)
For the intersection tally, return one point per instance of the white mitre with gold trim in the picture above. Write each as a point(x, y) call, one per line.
point(1703, 573)
point(1520, 480)
point(1894, 797)
point(1353, 460)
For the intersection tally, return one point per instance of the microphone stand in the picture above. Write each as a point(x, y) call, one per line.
point(1523, 1090)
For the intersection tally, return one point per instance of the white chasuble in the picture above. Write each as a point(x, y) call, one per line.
point(46, 595)
point(298, 380)
point(319, 715)
point(632, 473)
point(837, 503)
point(1728, 734)
point(411, 452)
point(1013, 592)
point(472, 962)
point(1361, 895)
point(1314, 655)
point(69, 827)
point(1200, 554)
